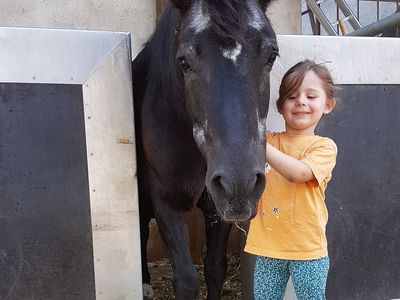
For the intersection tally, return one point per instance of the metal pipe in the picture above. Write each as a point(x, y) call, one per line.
point(337, 18)
point(398, 27)
point(378, 27)
point(377, 10)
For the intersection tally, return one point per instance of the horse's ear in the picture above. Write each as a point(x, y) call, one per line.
point(264, 3)
point(183, 5)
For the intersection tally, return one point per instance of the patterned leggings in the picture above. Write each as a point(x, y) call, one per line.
point(271, 276)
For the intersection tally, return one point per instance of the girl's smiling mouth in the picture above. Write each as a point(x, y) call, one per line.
point(301, 113)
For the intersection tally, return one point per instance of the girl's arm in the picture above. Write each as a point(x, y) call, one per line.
point(291, 168)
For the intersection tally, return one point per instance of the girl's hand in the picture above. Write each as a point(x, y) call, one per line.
point(290, 168)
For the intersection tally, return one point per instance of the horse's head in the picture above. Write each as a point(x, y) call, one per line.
point(225, 50)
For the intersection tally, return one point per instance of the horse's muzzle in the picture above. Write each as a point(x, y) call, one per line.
point(236, 197)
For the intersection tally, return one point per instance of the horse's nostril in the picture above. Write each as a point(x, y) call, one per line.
point(260, 182)
point(219, 182)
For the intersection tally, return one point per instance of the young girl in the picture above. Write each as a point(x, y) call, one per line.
point(288, 233)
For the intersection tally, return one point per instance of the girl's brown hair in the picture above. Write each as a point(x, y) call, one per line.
point(295, 75)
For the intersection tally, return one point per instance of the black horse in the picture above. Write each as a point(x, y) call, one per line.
point(201, 93)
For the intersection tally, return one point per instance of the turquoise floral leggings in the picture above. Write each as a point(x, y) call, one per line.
point(271, 276)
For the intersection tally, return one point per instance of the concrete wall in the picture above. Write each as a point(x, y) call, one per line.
point(135, 16)
point(285, 16)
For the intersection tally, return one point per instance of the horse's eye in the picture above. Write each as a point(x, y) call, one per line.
point(272, 59)
point(184, 64)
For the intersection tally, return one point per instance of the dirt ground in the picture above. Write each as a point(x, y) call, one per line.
point(162, 280)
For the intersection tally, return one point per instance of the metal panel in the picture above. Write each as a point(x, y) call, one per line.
point(45, 228)
point(78, 133)
point(363, 197)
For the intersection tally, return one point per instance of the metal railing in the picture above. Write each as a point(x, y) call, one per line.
point(318, 18)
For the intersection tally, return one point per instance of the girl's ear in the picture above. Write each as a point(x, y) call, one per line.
point(330, 105)
point(183, 5)
point(264, 4)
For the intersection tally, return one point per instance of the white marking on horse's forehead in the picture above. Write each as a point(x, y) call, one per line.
point(257, 19)
point(200, 20)
point(232, 53)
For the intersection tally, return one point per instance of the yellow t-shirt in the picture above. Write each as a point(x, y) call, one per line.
point(291, 218)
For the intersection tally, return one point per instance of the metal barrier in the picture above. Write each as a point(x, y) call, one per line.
point(69, 225)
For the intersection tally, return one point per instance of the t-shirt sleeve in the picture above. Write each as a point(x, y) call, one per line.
point(321, 158)
point(271, 136)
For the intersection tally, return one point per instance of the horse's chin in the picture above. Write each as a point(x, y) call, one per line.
point(236, 213)
point(235, 218)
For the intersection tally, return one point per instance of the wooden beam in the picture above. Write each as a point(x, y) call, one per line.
point(160, 6)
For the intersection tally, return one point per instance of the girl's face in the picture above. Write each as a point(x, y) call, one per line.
point(303, 109)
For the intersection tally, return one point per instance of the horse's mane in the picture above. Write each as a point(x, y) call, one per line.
point(156, 64)
point(229, 18)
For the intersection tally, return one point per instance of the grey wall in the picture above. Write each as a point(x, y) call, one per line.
point(135, 16)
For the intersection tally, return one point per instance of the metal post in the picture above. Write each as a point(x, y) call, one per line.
point(338, 18)
point(321, 17)
point(398, 27)
point(378, 27)
point(377, 10)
